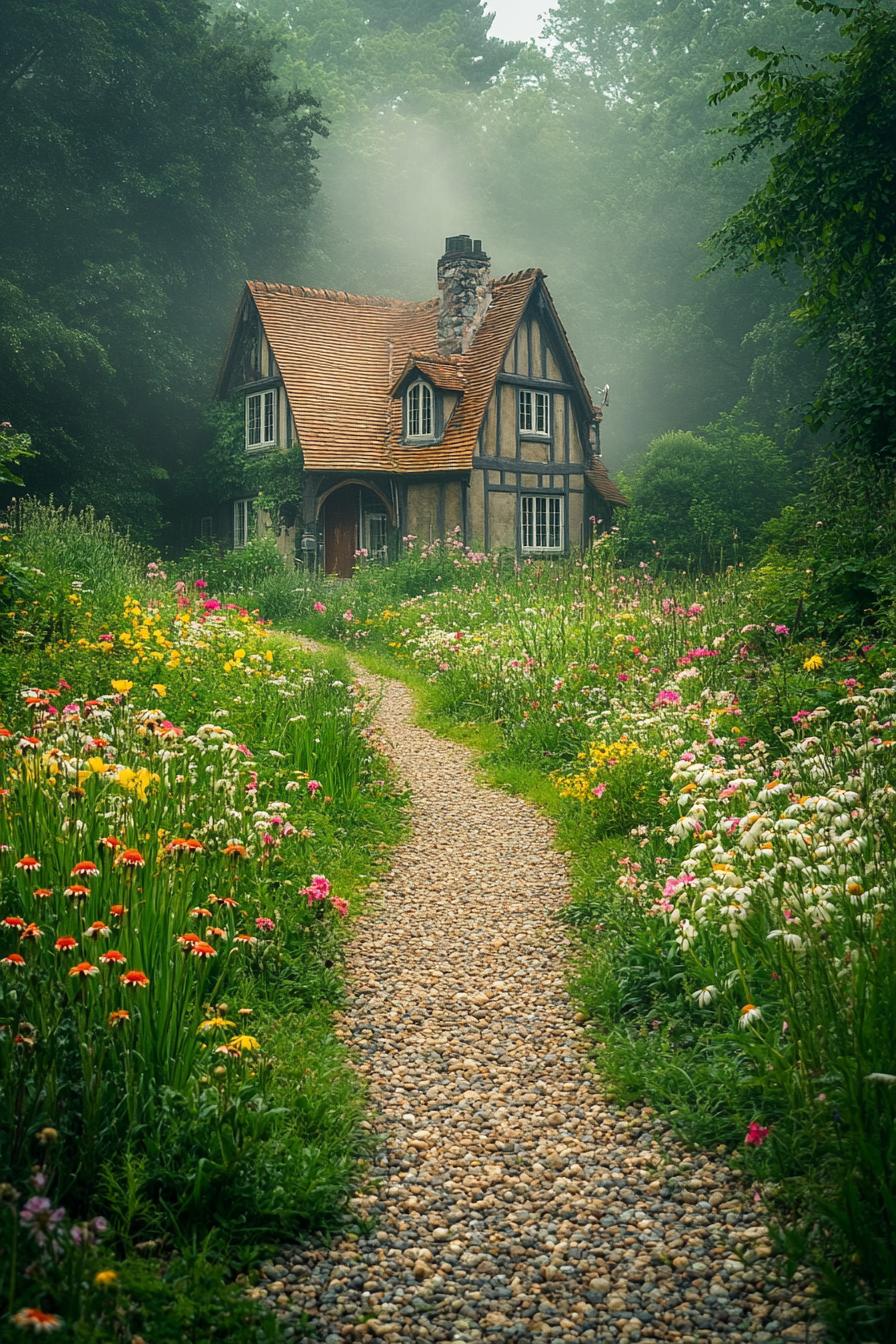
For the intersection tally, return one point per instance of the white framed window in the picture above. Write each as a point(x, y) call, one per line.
point(242, 522)
point(535, 412)
point(206, 528)
point(419, 411)
point(541, 522)
point(261, 418)
point(376, 535)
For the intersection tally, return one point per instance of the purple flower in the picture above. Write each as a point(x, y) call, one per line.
point(41, 1219)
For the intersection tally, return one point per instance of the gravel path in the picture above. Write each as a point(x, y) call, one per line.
point(509, 1200)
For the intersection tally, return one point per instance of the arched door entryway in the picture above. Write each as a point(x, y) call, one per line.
point(355, 519)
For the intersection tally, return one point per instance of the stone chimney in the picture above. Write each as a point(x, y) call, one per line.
point(465, 292)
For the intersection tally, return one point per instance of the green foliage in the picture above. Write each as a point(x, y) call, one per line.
point(13, 448)
point(172, 183)
point(700, 499)
point(187, 1113)
point(828, 204)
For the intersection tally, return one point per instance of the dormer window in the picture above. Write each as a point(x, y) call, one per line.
point(261, 418)
point(535, 413)
point(419, 411)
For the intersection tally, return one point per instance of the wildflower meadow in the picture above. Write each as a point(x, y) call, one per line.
point(189, 805)
point(726, 787)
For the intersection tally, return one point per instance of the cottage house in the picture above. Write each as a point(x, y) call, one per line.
point(465, 411)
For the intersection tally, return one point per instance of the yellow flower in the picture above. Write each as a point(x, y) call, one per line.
point(122, 687)
point(97, 765)
point(244, 1043)
point(813, 664)
point(160, 690)
point(74, 598)
point(211, 1023)
point(269, 655)
point(104, 1278)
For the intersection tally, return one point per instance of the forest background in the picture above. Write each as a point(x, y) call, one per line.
point(157, 154)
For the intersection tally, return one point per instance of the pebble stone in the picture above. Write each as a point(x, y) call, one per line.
point(508, 1199)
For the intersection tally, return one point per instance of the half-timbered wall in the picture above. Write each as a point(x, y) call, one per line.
point(511, 462)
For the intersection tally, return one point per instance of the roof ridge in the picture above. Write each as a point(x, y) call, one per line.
point(530, 273)
point(337, 295)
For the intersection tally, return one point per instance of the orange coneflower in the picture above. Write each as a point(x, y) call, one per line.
point(130, 858)
point(235, 851)
point(29, 744)
point(185, 939)
point(32, 1318)
point(200, 912)
point(66, 943)
point(31, 931)
point(134, 979)
point(97, 930)
point(111, 842)
point(14, 959)
point(229, 901)
point(28, 863)
point(214, 932)
point(118, 1015)
point(77, 891)
point(14, 922)
point(84, 969)
point(203, 950)
point(113, 958)
point(195, 846)
point(177, 846)
point(42, 893)
point(118, 911)
point(244, 938)
point(86, 868)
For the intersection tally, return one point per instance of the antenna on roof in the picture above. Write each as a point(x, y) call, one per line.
point(605, 395)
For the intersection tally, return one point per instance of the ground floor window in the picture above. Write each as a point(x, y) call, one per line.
point(242, 518)
point(376, 535)
point(541, 522)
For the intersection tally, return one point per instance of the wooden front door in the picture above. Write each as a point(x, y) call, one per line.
point(341, 531)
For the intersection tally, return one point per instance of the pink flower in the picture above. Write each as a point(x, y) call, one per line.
point(782, 630)
point(266, 925)
point(756, 1135)
point(314, 786)
point(318, 889)
point(340, 906)
point(622, 676)
point(599, 790)
point(695, 609)
point(212, 604)
point(667, 698)
point(200, 584)
point(319, 607)
point(348, 615)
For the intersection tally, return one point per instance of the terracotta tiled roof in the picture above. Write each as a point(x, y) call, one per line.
point(446, 371)
point(598, 476)
point(340, 355)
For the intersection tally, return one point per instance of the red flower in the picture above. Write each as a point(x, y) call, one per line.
point(204, 950)
point(134, 980)
point(84, 969)
point(118, 911)
point(235, 851)
point(86, 868)
point(14, 922)
point(118, 1015)
point(66, 943)
point(214, 932)
point(28, 863)
point(113, 958)
point(186, 939)
point(32, 1318)
point(77, 891)
point(244, 938)
point(110, 842)
point(31, 931)
point(97, 930)
point(131, 858)
point(200, 912)
point(42, 892)
point(756, 1135)
point(14, 959)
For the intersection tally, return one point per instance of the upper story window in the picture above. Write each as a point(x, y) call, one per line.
point(419, 412)
point(535, 412)
point(261, 418)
